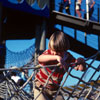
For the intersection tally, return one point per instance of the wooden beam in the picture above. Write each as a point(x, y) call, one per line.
point(40, 43)
point(0, 23)
point(76, 23)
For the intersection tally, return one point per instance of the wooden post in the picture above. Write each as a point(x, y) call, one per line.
point(2, 42)
point(75, 32)
point(43, 37)
point(52, 6)
point(99, 22)
point(37, 41)
point(99, 43)
point(0, 23)
point(40, 44)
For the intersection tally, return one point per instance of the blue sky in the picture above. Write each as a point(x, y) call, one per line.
point(19, 45)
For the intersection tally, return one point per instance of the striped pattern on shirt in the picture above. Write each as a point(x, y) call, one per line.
point(43, 73)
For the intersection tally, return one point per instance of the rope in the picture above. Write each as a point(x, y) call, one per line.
point(12, 88)
point(26, 68)
point(19, 58)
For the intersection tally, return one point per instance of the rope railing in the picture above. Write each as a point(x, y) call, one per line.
point(72, 92)
point(39, 66)
point(80, 79)
point(13, 91)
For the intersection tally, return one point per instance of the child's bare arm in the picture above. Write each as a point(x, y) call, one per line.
point(47, 58)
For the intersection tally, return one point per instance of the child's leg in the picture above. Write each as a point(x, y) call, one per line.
point(91, 12)
point(38, 95)
point(78, 13)
point(37, 88)
point(59, 97)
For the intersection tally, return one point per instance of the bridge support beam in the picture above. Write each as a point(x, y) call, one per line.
point(2, 42)
point(0, 22)
point(84, 25)
point(40, 44)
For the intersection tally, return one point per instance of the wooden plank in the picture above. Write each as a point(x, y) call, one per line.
point(84, 25)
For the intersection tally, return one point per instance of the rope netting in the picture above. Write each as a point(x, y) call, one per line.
point(84, 89)
point(19, 58)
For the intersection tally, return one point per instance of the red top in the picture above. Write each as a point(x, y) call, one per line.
point(65, 0)
point(42, 74)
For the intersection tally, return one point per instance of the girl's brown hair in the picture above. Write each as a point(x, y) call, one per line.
point(59, 42)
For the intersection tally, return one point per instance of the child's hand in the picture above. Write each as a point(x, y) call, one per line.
point(81, 65)
point(61, 60)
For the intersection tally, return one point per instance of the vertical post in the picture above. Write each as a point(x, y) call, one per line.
point(52, 6)
point(85, 38)
point(0, 23)
point(87, 17)
point(75, 34)
point(62, 28)
point(98, 35)
point(40, 43)
point(98, 13)
point(75, 31)
point(2, 44)
point(87, 9)
point(51, 22)
point(99, 43)
point(43, 37)
point(37, 43)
